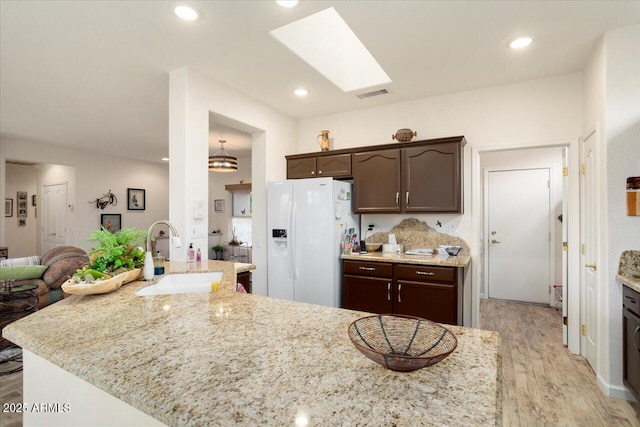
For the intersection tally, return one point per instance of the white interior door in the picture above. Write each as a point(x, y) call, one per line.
point(589, 241)
point(519, 234)
point(54, 216)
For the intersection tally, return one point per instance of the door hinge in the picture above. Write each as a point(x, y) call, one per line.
point(565, 171)
point(565, 246)
point(583, 330)
point(548, 183)
point(583, 249)
point(549, 289)
point(565, 320)
point(549, 236)
point(583, 169)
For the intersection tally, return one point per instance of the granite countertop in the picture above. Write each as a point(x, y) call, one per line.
point(403, 258)
point(228, 358)
point(629, 269)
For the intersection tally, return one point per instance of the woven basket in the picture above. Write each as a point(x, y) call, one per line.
point(402, 343)
point(101, 286)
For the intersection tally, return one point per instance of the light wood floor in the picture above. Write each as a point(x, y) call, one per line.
point(543, 384)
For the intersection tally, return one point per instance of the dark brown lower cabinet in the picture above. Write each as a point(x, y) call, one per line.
point(245, 280)
point(631, 340)
point(433, 293)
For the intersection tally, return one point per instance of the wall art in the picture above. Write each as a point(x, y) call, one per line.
point(22, 204)
point(111, 222)
point(136, 200)
point(8, 207)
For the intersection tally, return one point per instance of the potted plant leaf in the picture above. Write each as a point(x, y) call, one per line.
point(116, 259)
point(218, 250)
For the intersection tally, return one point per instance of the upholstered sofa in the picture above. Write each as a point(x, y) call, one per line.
point(48, 272)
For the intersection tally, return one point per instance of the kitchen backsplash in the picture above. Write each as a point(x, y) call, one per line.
point(413, 233)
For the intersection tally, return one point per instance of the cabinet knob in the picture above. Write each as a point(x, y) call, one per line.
point(319, 172)
point(313, 172)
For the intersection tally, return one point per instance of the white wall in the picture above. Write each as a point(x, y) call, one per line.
point(192, 97)
point(622, 135)
point(95, 174)
point(527, 114)
point(22, 241)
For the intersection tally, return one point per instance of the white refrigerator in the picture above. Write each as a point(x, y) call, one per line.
point(306, 221)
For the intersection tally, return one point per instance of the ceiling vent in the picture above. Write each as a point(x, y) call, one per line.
point(374, 93)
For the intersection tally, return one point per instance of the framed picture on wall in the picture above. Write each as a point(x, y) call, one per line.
point(218, 205)
point(8, 207)
point(22, 204)
point(111, 222)
point(136, 199)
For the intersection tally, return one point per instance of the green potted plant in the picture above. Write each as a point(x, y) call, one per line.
point(218, 250)
point(114, 253)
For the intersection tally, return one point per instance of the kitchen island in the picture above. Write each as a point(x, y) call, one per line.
point(227, 358)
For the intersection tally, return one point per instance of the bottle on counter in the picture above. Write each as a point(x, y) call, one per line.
point(198, 256)
point(191, 254)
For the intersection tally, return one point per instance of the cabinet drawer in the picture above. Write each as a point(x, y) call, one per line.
point(363, 268)
point(426, 273)
point(631, 299)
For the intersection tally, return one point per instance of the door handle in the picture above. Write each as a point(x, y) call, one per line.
point(397, 199)
point(407, 198)
point(494, 241)
point(592, 265)
point(389, 291)
point(399, 290)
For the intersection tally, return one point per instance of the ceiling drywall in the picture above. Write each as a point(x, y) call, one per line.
point(95, 74)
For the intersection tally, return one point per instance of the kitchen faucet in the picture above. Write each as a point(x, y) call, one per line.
point(148, 258)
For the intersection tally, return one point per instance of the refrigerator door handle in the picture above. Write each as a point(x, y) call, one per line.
point(292, 242)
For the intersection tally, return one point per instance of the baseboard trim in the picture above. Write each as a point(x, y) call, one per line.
point(615, 391)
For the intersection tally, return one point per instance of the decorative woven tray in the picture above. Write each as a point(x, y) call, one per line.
point(101, 286)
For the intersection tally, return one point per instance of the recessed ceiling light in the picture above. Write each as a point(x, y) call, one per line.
point(335, 52)
point(165, 159)
point(301, 92)
point(520, 42)
point(186, 12)
point(287, 3)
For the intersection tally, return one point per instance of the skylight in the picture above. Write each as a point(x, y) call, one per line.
point(324, 41)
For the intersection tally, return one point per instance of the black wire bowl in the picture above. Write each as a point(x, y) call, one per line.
point(402, 343)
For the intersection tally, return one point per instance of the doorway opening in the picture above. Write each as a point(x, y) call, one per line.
point(524, 199)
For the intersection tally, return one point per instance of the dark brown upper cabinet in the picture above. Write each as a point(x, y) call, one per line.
point(412, 177)
point(431, 178)
point(319, 166)
point(376, 181)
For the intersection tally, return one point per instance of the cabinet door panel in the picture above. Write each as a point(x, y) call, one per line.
point(338, 165)
point(376, 181)
point(431, 178)
point(436, 302)
point(301, 168)
point(366, 294)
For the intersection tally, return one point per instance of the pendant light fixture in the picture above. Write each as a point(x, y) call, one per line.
point(222, 162)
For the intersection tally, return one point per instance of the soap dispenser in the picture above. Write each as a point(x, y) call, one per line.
point(191, 255)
